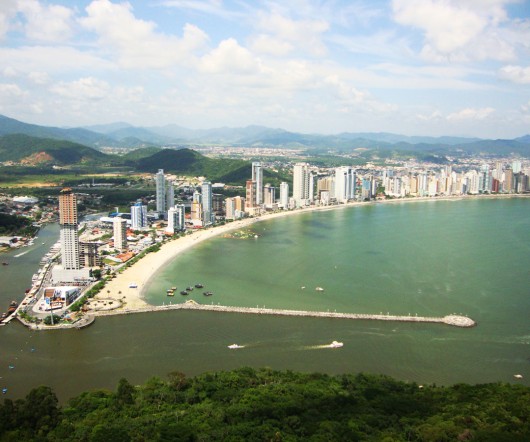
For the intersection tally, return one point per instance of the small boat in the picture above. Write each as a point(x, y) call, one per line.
point(235, 346)
point(173, 288)
point(184, 293)
point(4, 390)
point(189, 289)
point(518, 376)
point(319, 289)
point(336, 344)
point(207, 293)
point(5, 263)
point(170, 292)
point(199, 286)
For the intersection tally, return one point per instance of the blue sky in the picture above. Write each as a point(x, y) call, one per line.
point(415, 67)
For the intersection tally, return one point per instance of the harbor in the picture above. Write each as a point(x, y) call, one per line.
point(453, 320)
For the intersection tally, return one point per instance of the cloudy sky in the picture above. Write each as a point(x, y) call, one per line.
point(415, 67)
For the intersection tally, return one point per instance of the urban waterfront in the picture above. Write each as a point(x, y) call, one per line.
point(429, 258)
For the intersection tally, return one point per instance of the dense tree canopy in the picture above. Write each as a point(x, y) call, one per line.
point(248, 404)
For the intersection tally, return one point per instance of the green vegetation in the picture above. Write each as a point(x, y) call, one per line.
point(17, 147)
point(16, 225)
point(248, 404)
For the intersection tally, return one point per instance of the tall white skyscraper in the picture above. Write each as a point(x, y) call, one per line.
point(257, 177)
point(161, 192)
point(69, 230)
point(207, 206)
point(176, 219)
point(138, 216)
point(284, 195)
point(344, 184)
point(120, 233)
point(301, 184)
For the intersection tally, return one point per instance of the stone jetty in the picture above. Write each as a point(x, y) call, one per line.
point(454, 320)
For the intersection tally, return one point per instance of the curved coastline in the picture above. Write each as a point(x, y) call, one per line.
point(146, 268)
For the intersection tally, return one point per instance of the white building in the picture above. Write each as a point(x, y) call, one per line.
point(139, 216)
point(120, 233)
point(208, 216)
point(284, 195)
point(301, 184)
point(345, 181)
point(257, 177)
point(176, 219)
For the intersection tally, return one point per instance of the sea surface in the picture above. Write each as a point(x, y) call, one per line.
point(430, 258)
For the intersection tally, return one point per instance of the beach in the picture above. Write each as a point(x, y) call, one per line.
point(129, 286)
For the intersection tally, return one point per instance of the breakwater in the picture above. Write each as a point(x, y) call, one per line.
point(454, 320)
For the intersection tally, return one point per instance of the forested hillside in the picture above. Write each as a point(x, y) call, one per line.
point(266, 405)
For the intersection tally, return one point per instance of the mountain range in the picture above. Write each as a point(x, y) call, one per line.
point(122, 134)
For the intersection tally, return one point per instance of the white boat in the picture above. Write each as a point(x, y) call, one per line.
point(518, 376)
point(336, 344)
point(234, 346)
point(319, 289)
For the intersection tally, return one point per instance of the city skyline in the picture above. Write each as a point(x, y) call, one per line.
point(413, 67)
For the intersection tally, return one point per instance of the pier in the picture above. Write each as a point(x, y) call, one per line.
point(454, 320)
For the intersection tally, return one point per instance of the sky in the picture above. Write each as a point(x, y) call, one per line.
point(413, 67)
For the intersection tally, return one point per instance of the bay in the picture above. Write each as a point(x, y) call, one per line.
point(425, 258)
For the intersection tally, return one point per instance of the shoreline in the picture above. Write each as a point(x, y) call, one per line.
point(146, 268)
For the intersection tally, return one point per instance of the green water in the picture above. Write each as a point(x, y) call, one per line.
point(431, 258)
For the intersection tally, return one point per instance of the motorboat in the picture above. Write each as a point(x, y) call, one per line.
point(207, 293)
point(336, 344)
point(199, 286)
point(319, 289)
point(518, 376)
point(189, 289)
point(235, 346)
point(184, 293)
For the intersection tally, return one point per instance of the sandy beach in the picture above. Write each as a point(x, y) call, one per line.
point(142, 271)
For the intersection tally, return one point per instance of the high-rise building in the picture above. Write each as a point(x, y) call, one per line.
point(138, 216)
point(284, 195)
point(196, 209)
point(120, 233)
point(508, 180)
point(176, 219)
point(161, 192)
point(170, 194)
point(301, 184)
point(250, 200)
point(257, 177)
point(69, 230)
point(269, 196)
point(516, 166)
point(345, 181)
point(89, 255)
point(208, 216)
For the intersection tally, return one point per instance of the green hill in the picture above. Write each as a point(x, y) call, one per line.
point(191, 163)
point(33, 151)
point(267, 405)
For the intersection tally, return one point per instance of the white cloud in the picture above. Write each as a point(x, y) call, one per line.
point(136, 43)
point(457, 30)
point(51, 59)
point(87, 88)
point(47, 23)
point(471, 114)
point(39, 77)
point(230, 57)
point(8, 10)
point(9, 71)
point(304, 35)
point(515, 74)
point(11, 90)
point(266, 44)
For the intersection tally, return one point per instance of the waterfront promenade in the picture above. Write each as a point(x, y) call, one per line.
point(454, 320)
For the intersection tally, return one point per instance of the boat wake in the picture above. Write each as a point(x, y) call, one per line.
point(334, 344)
point(20, 254)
